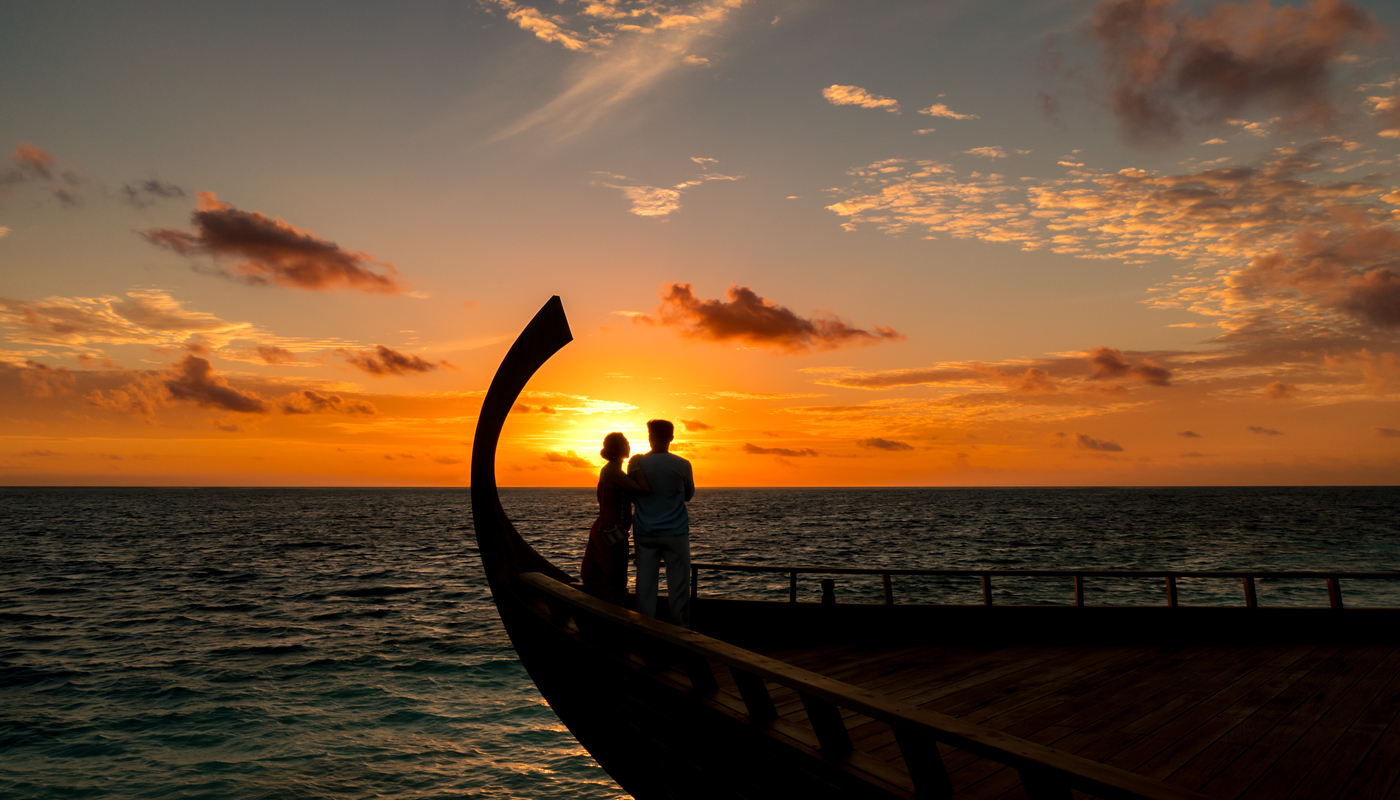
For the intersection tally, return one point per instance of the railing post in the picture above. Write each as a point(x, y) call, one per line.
point(792, 586)
point(755, 694)
point(702, 678)
point(1079, 591)
point(925, 765)
point(1040, 786)
point(889, 590)
point(1334, 592)
point(1171, 591)
point(826, 720)
point(986, 588)
point(1250, 599)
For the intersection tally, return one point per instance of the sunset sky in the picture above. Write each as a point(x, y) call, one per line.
point(912, 243)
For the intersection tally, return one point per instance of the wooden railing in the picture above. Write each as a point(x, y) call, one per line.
point(1251, 599)
point(1045, 772)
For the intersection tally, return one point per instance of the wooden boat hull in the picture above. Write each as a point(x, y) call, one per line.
point(678, 714)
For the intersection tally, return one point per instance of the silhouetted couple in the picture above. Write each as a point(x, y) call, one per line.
point(658, 484)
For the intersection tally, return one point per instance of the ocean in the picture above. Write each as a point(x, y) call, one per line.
point(341, 643)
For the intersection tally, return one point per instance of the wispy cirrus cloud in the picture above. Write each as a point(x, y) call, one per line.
point(630, 47)
point(660, 201)
point(268, 251)
point(1277, 237)
point(839, 95)
point(143, 317)
point(747, 318)
point(1064, 373)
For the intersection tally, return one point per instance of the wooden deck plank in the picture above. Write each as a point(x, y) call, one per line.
point(1175, 757)
point(1164, 741)
point(1277, 771)
point(1224, 718)
point(1361, 737)
point(1274, 725)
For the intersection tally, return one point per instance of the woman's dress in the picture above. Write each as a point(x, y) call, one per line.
point(605, 559)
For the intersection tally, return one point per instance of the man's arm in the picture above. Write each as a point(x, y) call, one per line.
point(689, 482)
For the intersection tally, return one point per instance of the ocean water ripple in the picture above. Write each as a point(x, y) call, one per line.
point(299, 643)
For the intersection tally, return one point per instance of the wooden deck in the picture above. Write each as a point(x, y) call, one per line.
point(1301, 721)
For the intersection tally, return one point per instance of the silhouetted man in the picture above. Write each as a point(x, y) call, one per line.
point(661, 524)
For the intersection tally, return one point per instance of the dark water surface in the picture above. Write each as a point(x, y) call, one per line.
point(290, 643)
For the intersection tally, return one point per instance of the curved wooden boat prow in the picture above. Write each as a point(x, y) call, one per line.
point(503, 553)
point(678, 714)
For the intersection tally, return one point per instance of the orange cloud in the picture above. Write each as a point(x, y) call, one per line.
point(1278, 390)
point(1264, 431)
point(384, 361)
point(751, 319)
point(839, 95)
point(1163, 65)
point(571, 458)
point(272, 251)
point(694, 425)
point(41, 380)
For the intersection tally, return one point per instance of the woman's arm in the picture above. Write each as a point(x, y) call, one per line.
point(635, 483)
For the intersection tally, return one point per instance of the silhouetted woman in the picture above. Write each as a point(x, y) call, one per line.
point(605, 559)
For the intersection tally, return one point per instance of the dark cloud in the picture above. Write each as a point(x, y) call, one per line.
point(694, 425)
point(1278, 390)
point(31, 163)
point(1353, 267)
point(228, 427)
point(274, 355)
point(1164, 65)
point(1264, 431)
point(1110, 363)
point(884, 444)
point(1102, 445)
point(571, 458)
point(270, 251)
point(447, 460)
point(311, 402)
point(755, 450)
point(145, 193)
point(748, 318)
point(1189, 435)
point(194, 381)
point(36, 453)
point(384, 361)
point(1386, 432)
